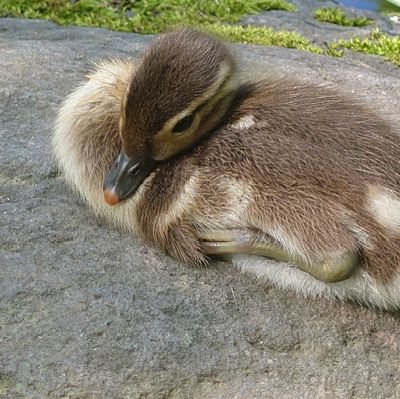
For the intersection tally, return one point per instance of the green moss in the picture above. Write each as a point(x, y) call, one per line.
point(337, 16)
point(89, 12)
point(154, 16)
point(144, 16)
point(376, 43)
point(263, 36)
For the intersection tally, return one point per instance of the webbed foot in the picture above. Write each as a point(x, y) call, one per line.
point(229, 242)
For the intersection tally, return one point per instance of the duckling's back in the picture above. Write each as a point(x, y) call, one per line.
point(307, 156)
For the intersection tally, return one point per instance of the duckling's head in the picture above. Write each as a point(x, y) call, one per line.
point(183, 87)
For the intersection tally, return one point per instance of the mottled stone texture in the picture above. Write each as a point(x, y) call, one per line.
point(302, 21)
point(89, 312)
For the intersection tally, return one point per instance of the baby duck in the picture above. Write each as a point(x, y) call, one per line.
point(177, 151)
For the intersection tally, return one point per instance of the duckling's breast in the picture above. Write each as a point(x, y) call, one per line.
point(86, 138)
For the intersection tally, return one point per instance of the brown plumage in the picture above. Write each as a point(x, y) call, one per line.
point(291, 170)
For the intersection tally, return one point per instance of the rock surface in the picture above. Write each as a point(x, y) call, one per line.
point(88, 312)
point(303, 22)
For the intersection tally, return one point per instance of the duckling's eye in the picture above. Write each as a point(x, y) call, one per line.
point(183, 125)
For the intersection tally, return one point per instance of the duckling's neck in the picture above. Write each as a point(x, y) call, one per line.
point(238, 96)
point(241, 94)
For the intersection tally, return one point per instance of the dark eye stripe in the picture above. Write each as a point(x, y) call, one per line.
point(185, 123)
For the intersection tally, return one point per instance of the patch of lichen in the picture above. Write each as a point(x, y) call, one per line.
point(5, 384)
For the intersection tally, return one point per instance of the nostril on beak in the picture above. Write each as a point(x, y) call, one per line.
point(133, 170)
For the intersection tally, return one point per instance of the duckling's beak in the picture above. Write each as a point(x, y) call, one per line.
point(125, 176)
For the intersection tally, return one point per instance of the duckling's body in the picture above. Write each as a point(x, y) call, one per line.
point(291, 169)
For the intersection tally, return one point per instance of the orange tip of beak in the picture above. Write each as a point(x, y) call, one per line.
point(111, 197)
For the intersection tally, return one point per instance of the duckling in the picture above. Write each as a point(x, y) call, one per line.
point(177, 150)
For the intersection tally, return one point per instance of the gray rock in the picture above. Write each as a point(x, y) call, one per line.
point(89, 312)
point(302, 21)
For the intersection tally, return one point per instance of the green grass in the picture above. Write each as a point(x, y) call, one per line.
point(217, 16)
point(336, 16)
point(376, 43)
point(143, 16)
